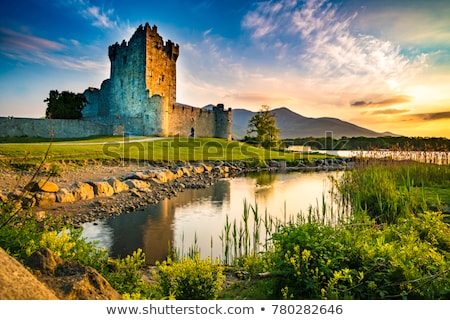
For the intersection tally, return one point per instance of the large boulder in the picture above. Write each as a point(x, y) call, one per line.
point(42, 185)
point(137, 184)
point(102, 189)
point(65, 195)
point(45, 199)
point(117, 185)
point(70, 280)
point(164, 176)
point(17, 283)
point(82, 191)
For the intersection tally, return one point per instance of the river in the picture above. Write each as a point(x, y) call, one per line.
point(198, 216)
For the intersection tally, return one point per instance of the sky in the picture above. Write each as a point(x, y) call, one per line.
point(380, 64)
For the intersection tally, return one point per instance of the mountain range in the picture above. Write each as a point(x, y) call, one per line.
point(293, 125)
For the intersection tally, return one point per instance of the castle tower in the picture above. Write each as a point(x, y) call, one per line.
point(140, 69)
point(140, 95)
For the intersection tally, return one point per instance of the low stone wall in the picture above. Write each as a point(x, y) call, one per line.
point(59, 128)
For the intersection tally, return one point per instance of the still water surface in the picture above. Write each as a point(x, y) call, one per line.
point(199, 216)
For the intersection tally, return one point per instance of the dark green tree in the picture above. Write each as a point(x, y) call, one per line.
point(65, 105)
point(264, 125)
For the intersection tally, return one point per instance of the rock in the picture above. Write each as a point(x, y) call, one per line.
point(138, 176)
point(207, 167)
point(178, 172)
point(3, 198)
point(137, 184)
point(70, 280)
point(45, 199)
point(64, 195)
point(102, 189)
point(187, 171)
point(40, 215)
point(28, 201)
point(17, 283)
point(199, 169)
point(82, 191)
point(43, 260)
point(164, 176)
point(117, 185)
point(42, 185)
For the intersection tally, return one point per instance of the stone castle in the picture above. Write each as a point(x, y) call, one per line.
point(140, 94)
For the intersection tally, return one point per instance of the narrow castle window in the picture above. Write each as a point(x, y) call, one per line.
point(162, 77)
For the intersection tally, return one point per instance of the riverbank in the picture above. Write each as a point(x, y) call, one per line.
point(80, 193)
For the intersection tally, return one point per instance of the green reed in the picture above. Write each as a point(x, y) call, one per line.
point(391, 190)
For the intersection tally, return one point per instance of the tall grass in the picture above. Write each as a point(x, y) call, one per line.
point(251, 234)
point(391, 190)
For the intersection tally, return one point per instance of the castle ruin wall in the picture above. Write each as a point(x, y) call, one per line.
point(58, 128)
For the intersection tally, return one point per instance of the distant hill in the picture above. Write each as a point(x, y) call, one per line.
point(293, 125)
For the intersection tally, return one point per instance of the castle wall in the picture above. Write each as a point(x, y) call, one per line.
point(61, 128)
point(206, 123)
point(183, 118)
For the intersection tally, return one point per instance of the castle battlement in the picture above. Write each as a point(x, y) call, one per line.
point(171, 49)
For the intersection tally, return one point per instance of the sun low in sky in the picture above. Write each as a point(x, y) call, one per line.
point(380, 64)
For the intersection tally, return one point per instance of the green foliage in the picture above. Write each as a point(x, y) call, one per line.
point(19, 231)
point(263, 123)
point(407, 260)
point(65, 105)
point(190, 278)
point(125, 275)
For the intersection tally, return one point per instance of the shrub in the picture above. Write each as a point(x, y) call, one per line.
point(190, 278)
point(407, 260)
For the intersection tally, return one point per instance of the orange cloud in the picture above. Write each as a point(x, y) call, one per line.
point(382, 103)
point(390, 111)
point(433, 116)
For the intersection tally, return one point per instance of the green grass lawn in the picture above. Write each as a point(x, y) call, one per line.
point(141, 148)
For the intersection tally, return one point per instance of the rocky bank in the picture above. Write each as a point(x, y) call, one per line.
point(97, 190)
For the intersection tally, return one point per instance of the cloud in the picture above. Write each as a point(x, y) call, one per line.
point(99, 17)
point(433, 116)
point(382, 103)
point(317, 39)
point(264, 19)
point(258, 98)
point(22, 47)
point(390, 111)
point(13, 41)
